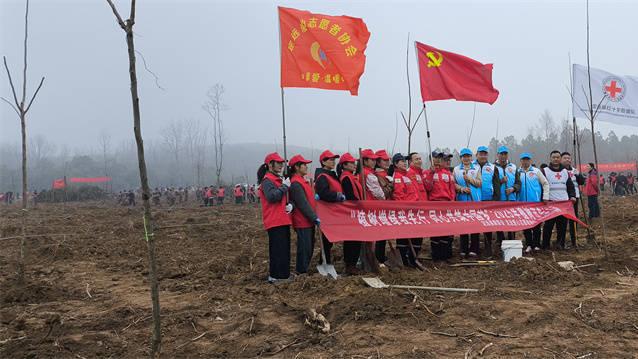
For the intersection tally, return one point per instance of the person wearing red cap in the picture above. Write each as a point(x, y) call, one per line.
point(385, 182)
point(354, 192)
point(276, 215)
point(328, 188)
point(372, 188)
point(404, 189)
point(440, 185)
point(415, 172)
point(304, 217)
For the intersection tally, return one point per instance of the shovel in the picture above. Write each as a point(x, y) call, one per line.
point(377, 283)
point(324, 268)
point(394, 257)
point(416, 260)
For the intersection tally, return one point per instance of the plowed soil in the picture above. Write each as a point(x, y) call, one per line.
point(86, 294)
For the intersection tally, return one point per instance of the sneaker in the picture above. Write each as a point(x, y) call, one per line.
point(473, 255)
point(272, 280)
point(462, 255)
point(528, 249)
point(536, 249)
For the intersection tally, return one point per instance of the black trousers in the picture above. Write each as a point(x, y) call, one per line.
point(572, 225)
point(305, 247)
point(441, 247)
point(500, 236)
point(327, 249)
point(279, 252)
point(594, 208)
point(379, 251)
point(561, 228)
point(472, 240)
point(533, 236)
point(351, 250)
point(407, 257)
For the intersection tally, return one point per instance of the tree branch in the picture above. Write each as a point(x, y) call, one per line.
point(132, 15)
point(10, 104)
point(417, 118)
point(13, 89)
point(405, 121)
point(34, 95)
point(24, 70)
point(149, 71)
point(117, 14)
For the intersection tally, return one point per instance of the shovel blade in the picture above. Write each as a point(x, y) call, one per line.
point(327, 270)
point(374, 282)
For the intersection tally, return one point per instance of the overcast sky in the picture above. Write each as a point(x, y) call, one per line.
point(192, 45)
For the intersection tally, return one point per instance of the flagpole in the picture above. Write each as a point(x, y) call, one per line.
point(283, 123)
point(593, 134)
point(425, 112)
point(283, 107)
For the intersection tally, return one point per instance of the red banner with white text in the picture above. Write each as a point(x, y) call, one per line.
point(89, 179)
point(377, 220)
point(611, 167)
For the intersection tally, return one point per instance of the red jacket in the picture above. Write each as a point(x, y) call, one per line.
point(591, 185)
point(404, 188)
point(417, 178)
point(440, 185)
point(221, 192)
point(273, 213)
point(298, 219)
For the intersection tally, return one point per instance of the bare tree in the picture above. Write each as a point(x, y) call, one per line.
point(195, 139)
point(409, 125)
point(21, 107)
point(214, 107)
point(127, 26)
point(546, 126)
point(173, 137)
point(105, 145)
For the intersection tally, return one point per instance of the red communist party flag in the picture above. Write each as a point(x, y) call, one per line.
point(445, 75)
point(59, 183)
point(322, 51)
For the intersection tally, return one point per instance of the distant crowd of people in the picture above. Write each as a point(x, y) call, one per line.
point(621, 184)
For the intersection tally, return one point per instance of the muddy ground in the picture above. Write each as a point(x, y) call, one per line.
point(86, 294)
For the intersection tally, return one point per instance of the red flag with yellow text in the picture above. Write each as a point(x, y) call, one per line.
point(445, 75)
point(322, 51)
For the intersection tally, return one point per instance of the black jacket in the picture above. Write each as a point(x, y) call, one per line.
point(348, 189)
point(322, 187)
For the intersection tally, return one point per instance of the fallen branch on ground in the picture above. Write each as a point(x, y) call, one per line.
point(498, 335)
point(485, 347)
point(445, 334)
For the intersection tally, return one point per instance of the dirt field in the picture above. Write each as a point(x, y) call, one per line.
point(86, 295)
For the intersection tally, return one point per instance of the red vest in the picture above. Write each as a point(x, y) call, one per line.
point(238, 192)
point(298, 219)
point(356, 185)
point(220, 192)
point(404, 188)
point(274, 214)
point(417, 177)
point(335, 186)
point(367, 171)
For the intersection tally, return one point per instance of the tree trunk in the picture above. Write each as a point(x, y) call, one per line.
point(150, 240)
point(23, 126)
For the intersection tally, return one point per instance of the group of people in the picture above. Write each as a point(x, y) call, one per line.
point(288, 199)
point(621, 184)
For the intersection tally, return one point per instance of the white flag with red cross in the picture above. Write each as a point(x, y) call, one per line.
point(614, 97)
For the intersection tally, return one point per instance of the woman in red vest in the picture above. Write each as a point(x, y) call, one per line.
point(239, 194)
point(353, 191)
point(304, 217)
point(276, 215)
point(328, 188)
point(404, 190)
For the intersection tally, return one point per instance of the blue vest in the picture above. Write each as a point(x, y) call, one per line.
point(531, 188)
point(487, 173)
point(510, 172)
point(475, 192)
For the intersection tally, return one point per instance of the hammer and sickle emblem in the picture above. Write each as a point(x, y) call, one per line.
point(434, 61)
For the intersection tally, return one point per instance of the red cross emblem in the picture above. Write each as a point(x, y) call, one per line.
point(614, 88)
point(558, 176)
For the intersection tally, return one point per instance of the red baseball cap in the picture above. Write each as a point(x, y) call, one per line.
point(297, 159)
point(327, 155)
point(368, 153)
point(382, 154)
point(273, 157)
point(347, 157)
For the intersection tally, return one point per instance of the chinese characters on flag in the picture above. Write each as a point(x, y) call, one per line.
point(445, 75)
point(322, 51)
